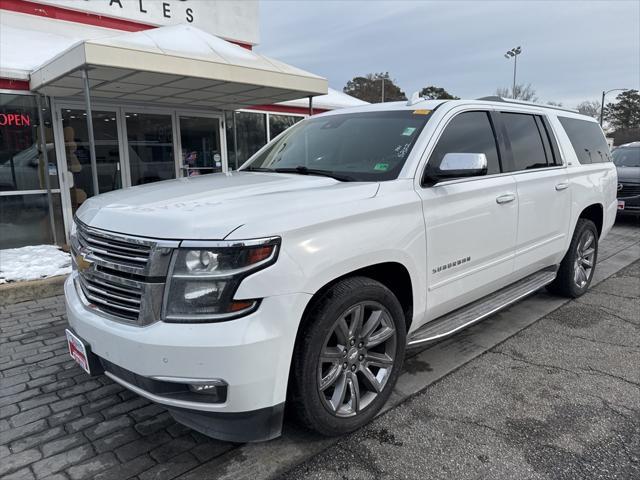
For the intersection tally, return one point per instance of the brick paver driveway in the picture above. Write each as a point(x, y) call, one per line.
point(57, 421)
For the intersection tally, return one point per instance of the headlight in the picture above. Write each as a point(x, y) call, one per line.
point(204, 277)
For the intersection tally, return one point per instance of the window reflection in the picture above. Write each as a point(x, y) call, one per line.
point(24, 220)
point(279, 123)
point(150, 147)
point(251, 136)
point(200, 145)
point(22, 165)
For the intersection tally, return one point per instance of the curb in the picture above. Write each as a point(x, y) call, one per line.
point(31, 290)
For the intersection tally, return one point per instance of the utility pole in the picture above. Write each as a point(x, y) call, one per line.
point(382, 89)
point(514, 52)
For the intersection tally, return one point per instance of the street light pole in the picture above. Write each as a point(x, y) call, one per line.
point(515, 67)
point(602, 102)
point(514, 52)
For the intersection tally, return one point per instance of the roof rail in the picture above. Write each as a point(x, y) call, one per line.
point(495, 98)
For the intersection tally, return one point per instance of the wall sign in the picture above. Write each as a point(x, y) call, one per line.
point(166, 8)
point(236, 21)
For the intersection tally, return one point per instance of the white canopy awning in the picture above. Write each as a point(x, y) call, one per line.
point(179, 65)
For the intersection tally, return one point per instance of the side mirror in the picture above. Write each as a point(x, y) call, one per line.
point(457, 165)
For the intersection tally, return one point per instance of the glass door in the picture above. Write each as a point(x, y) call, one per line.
point(76, 150)
point(200, 151)
point(150, 147)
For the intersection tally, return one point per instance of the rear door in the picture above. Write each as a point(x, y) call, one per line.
point(542, 183)
point(470, 222)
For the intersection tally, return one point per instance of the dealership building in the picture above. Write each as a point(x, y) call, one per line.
point(173, 89)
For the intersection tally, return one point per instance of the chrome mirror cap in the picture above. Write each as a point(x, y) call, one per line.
point(463, 162)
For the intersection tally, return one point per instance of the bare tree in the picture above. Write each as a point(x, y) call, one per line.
point(589, 107)
point(554, 104)
point(522, 92)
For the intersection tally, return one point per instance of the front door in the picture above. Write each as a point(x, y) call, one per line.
point(200, 145)
point(73, 123)
point(470, 222)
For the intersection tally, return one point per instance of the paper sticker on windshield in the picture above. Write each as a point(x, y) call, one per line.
point(381, 167)
point(408, 131)
point(421, 112)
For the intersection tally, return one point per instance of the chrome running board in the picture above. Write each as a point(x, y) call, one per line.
point(466, 316)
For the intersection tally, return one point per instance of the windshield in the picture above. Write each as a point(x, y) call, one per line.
point(369, 146)
point(626, 157)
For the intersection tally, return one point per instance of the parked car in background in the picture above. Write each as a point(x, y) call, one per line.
point(357, 233)
point(627, 160)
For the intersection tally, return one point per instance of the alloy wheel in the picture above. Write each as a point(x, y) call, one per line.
point(585, 255)
point(357, 359)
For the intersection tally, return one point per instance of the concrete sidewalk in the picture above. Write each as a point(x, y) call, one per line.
point(560, 400)
point(56, 421)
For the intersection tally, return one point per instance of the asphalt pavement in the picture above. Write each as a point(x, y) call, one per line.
point(559, 400)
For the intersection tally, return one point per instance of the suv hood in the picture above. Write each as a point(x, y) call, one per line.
point(628, 174)
point(212, 206)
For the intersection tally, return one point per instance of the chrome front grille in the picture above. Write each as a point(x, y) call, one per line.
point(120, 277)
point(628, 190)
point(120, 254)
point(112, 296)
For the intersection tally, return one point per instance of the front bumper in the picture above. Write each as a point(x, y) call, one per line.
point(252, 355)
point(631, 205)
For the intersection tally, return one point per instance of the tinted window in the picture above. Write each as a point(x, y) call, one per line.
point(469, 132)
point(587, 140)
point(527, 146)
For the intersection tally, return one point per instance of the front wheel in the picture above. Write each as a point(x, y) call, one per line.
point(579, 263)
point(348, 356)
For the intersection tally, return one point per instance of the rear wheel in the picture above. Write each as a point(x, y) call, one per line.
point(578, 265)
point(348, 357)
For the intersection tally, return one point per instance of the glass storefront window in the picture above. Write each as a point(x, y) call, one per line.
point(21, 161)
point(150, 147)
point(279, 123)
point(76, 147)
point(251, 136)
point(200, 145)
point(24, 220)
point(24, 205)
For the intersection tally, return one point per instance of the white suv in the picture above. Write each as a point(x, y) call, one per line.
point(305, 275)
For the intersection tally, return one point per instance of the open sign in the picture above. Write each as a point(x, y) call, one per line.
point(15, 120)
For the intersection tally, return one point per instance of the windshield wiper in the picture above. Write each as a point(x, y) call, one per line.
point(302, 170)
point(255, 169)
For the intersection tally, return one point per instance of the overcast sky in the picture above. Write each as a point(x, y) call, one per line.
point(572, 50)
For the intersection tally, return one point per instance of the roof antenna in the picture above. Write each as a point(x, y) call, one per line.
point(415, 98)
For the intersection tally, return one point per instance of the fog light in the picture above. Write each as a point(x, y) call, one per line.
point(207, 388)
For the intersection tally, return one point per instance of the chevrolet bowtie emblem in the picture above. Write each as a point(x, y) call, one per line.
point(82, 262)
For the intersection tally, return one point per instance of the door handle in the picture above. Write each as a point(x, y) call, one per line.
point(506, 198)
point(562, 186)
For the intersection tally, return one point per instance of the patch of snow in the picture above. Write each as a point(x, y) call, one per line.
point(32, 263)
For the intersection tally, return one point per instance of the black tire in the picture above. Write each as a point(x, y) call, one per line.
point(320, 328)
point(566, 283)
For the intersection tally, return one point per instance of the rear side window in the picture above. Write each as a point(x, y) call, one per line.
point(468, 132)
point(526, 138)
point(587, 140)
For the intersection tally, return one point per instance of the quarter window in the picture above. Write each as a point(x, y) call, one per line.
point(469, 132)
point(527, 145)
point(587, 140)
